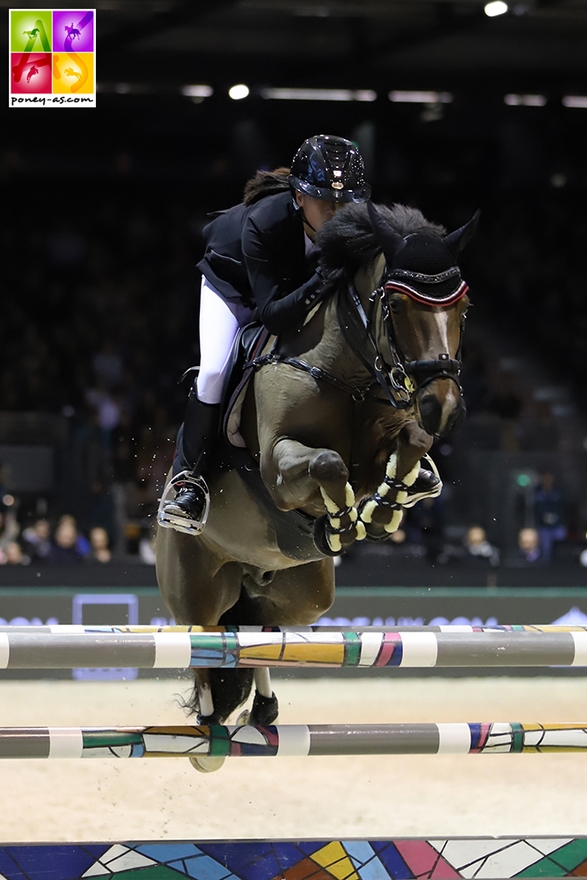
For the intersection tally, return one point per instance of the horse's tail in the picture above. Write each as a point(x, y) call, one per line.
point(230, 688)
point(266, 183)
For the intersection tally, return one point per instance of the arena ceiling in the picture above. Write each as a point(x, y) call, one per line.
point(358, 44)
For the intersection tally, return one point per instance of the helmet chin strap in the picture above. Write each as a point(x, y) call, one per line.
point(307, 222)
point(303, 216)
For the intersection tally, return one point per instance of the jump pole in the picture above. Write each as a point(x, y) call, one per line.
point(292, 740)
point(499, 858)
point(150, 628)
point(42, 648)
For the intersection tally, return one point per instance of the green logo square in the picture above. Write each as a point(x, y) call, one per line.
point(30, 30)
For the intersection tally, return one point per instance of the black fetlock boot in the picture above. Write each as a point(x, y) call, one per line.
point(187, 509)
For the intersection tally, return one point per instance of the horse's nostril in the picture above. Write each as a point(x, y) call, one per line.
point(430, 413)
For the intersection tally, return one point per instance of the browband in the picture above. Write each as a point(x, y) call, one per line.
point(443, 301)
point(428, 279)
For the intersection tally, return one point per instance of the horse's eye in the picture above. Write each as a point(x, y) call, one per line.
point(395, 306)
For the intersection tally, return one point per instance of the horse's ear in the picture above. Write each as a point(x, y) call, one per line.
point(391, 241)
point(457, 240)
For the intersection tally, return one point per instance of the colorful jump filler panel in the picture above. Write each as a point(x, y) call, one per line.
point(52, 59)
point(499, 858)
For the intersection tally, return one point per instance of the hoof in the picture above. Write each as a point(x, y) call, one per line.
point(244, 718)
point(321, 538)
point(206, 764)
point(264, 711)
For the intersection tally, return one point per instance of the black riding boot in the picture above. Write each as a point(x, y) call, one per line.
point(199, 430)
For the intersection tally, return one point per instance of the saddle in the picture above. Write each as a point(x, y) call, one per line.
point(249, 343)
point(294, 529)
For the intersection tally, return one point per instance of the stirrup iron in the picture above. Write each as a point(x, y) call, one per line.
point(182, 523)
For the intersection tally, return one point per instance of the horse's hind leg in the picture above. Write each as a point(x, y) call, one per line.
point(297, 597)
point(197, 585)
point(199, 588)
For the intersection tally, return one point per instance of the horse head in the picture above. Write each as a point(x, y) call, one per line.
point(423, 301)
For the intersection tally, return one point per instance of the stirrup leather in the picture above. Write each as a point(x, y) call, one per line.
point(434, 492)
point(184, 524)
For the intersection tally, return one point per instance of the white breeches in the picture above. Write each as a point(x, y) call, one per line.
point(220, 321)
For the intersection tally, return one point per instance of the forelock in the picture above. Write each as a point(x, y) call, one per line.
point(347, 242)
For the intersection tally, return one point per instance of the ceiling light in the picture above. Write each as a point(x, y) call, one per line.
point(407, 96)
point(238, 92)
point(197, 91)
point(319, 94)
point(496, 7)
point(525, 100)
point(575, 101)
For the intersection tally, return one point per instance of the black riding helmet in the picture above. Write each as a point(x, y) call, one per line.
point(331, 168)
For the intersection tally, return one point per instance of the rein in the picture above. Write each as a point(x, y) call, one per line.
point(357, 392)
point(401, 380)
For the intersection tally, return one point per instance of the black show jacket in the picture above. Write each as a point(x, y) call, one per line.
point(255, 254)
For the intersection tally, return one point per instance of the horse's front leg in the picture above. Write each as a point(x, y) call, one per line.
point(382, 512)
point(300, 476)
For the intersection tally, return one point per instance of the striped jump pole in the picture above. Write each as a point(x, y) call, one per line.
point(66, 628)
point(398, 858)
point(28, 648)
point(292, 740)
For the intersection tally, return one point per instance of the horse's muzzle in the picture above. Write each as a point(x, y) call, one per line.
point(441, 407)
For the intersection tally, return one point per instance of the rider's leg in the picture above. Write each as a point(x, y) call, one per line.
point(219, 323)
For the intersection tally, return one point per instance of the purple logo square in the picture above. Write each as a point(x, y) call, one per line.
point(73, 30)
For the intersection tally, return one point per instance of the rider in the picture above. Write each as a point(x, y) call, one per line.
point(260, 263)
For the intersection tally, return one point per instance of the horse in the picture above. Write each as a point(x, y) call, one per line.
point(335, 419)
point(72, 33)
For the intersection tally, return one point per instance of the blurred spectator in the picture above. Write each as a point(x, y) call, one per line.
point(81, 542)
point(107, 365)
point(549, 512)
point(64, 548)
point(14, 555)
point(37, 540)
point(529, 545)
point(107, 405)
point(478, 548)
point(9, 527)
point(99, 543)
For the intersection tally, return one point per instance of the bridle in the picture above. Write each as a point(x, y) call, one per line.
point(401, 380)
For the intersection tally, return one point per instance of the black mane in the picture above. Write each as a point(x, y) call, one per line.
point(348, 242)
